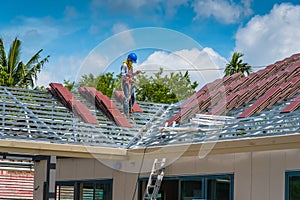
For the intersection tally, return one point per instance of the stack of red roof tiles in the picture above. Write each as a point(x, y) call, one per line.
point(102, 102)
point(106, 105)
point(68, 100)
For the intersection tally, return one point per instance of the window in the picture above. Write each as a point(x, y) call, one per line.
point(210, 187)
point(191, 189)
point(218, 188)
point(84, 190)
point(292, 183)
point(65, 192)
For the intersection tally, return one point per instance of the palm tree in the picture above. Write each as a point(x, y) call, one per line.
point(236, 65)
point(13, 72)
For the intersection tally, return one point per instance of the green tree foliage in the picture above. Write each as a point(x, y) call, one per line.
point(164, 89)
point(3, 76)
point(237, 65)
point(89, 80)
point(105, 82)
point(16, 73)
point(157, 88)
point(70, 85)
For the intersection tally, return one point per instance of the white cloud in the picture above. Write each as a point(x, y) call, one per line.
point(94, 29)
point(65, 68)
point(70, 13)
point(46, 77)
point(172, 6)
point(36, 33)
point(203, 65)
point(119, 27)
point(271, 37)
point(43, 33)
point(223, 11)
point(118, 5)
point(124, 38)
point(72, 68)
point(94, 63)
point(166, 8)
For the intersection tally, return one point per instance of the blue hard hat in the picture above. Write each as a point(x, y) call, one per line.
point(132, 57)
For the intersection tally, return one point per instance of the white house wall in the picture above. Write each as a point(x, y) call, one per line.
point(257, 175)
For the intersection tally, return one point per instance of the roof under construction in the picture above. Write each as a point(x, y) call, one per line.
point(265, 103)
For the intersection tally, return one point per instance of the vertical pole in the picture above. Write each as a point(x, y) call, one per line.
point(51, 172)
point(3, 113)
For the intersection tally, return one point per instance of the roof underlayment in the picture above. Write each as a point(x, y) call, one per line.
point(265, 103)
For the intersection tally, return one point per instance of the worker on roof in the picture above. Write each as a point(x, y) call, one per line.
point(128, 86)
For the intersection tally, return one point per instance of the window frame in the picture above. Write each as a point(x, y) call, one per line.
point(289, 174)
point(76, 184)
point(203, 178)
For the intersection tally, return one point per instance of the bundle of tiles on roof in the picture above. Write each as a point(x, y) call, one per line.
point(67, 99)
point(106, 105)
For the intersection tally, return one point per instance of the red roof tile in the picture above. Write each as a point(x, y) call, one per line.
point(106, 105)
point(223, 95)
point(295, 104)
point(68, 100)
point(202, 99)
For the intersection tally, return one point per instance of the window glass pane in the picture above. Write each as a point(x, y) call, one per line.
point(66, 192)
point(191, 190)
point(86, 191)
point(294, 187)
point(218, 189)
point(103, 191)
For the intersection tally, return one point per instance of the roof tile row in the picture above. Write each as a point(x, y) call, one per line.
point(277, 81)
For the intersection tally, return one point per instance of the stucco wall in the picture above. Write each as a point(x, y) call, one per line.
point(39, 178)
point(257, 175)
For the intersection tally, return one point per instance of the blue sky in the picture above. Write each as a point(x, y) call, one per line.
point(74, 33)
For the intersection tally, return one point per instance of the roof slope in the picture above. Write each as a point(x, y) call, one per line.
point(37, 116)
point(262, 104)
point(265, 103)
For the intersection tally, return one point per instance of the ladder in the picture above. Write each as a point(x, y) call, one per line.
point(158, 172)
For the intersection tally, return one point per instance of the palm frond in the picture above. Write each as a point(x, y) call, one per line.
point(19, 73)
point(34, 59)
point(3, 59)
point(13, 57)
point(32, 69)
point(16, 72)
point(237, 65)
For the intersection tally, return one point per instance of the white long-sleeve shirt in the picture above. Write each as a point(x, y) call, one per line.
point(125, 72)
